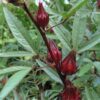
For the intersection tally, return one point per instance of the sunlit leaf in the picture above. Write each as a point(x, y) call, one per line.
point(91, 43)
point(15, 54)
point(19, 31)
point(84, 69)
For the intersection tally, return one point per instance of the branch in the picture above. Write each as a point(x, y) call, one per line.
point(42, 32)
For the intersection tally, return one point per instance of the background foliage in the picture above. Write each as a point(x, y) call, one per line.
point(24, 72)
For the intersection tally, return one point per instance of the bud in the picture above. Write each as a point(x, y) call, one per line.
point(51, 30)
point(42, 16)
point(70, 92)
point(98, 3)
point(68, 65)
point(55, 51)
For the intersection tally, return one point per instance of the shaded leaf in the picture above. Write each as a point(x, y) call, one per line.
point(49, 71)
point(74, 9)
point(79, 27)
point(91, 94)
point(87, 93)
point(12, 82)
point(12, 69)
point(84, 69)
point(97, 65)
point(60, 35)
point(91, 43)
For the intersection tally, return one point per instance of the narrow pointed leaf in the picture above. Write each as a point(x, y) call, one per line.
point(12, 69)
point(91, 43)
point(60, 35)
point(18, 30)
point(49, 71)
point(79, 27)
point(12, 82)
point(16, 54)
point(75, 9)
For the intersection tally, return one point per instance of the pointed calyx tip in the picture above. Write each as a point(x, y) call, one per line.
point(42, 16)
point(68, 65)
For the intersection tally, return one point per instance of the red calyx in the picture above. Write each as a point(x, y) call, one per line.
point(70, 92)
point(42, 17)
point(68, 65)
point(55, 51)
point(98, 3)
point(51, 30)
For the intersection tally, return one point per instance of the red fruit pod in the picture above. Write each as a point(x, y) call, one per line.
point(68, 65)
point(70, 92)
point(57, 56)
point(98, 3)
point(42, 16)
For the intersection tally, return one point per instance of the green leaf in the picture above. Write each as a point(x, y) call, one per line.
point(96, 18)
point(60, 34)
point(97, 65)
point(94, 95)
point(91, 94)
point(16, 54)
point(49, 71)
point(13, 81)
point(95, 39)
point(19, 31)
point(12, 69)
point(84, 69)
point(79, 27)
point(74, 9)
point(17, 95)
point(87, 93)
point(96, 47)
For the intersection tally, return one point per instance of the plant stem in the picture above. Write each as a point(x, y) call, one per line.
point(40, 30)
point(62, 76)
point(44, 38)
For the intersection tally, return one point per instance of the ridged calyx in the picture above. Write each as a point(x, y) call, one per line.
point(68, 65)
point(42, 16)
point(55, 51)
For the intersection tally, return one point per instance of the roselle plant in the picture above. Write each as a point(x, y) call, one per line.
point(98, 3)
point(38, 64)
point(42, 17)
